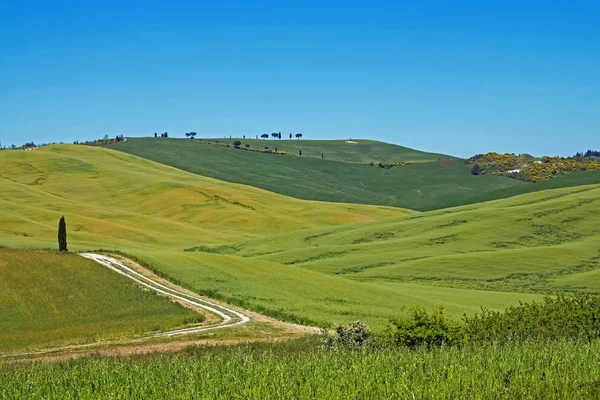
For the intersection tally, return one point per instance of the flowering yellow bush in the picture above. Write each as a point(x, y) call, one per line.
point(529, 168)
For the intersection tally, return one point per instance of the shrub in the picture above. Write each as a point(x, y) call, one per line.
point(476, 169)
point(426, 329)
point(555, 318)
point(355, 335)
point(237, 144)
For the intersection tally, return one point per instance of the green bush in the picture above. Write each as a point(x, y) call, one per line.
point(426, 329)
point(555, 318)
point(356, 335)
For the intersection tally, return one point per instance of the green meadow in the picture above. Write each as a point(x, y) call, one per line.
point(427, 184)
point(51, 299)
point(352, 151)
point(153, 212)
point(302, 370)
point(538, 243)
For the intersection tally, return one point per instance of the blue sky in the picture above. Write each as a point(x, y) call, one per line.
point(458, 77)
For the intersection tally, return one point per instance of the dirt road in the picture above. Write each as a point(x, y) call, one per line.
point(229, 317)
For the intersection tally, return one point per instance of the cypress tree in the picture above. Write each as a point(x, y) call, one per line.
point(62, 235)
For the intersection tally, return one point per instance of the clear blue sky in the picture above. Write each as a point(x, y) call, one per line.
point(447, 76)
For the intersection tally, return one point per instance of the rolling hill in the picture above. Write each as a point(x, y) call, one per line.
point(112, 199)
point(424, 185)
point(152, 212)
point(543, 242)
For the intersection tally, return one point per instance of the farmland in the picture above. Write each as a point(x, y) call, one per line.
point(529, 243)
point(562, 370)
point(153, 213)
point(425, 185)
point(309, 262)
point(49, 299)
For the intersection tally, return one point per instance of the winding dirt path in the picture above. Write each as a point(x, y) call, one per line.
point(229, 317)
point(219, 316)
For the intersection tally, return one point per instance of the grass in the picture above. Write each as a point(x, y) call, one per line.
point(153, 212)
point(51, 299)
point(362, 151)
point(420, 186)
point(536, 243)
point(310, 297)
point(114, 200)
point(300, 370)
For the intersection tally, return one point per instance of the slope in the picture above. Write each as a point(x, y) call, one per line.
point(117, 200)
point(153, 212)
point(49, 299)
point(538, 242)
point(420, 186)
point(355, 151)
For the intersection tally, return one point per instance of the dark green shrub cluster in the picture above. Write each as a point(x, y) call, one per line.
point(426, 329)
point(556, 318)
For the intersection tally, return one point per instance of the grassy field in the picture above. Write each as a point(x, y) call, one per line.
point(556, 370)
point(111, 199)
point(354, 151)
point(420, 186)
point(540, 242)
point(50, 299)
point(153, 212)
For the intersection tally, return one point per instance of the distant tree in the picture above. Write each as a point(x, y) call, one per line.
point(298, 135)
point(190, 134)
point(279, 136)
point(237, 144)
point(290, 135)
point(264, 136)
point(476, 169)
point(155, 135)
point(257, 136)
point(300, 153)
point(105, 137)
point(322, 155)
point(275, 135)
point(62, 235)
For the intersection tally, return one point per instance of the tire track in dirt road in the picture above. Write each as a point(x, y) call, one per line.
point(229, 317)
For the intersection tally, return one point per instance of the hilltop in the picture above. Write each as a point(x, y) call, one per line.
point(430, 182)
point(353, 151)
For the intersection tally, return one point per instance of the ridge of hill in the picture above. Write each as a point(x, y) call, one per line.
point(354, 151)
point(422, 186)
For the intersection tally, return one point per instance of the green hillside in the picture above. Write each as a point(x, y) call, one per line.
point(420, 186)
point(49, 299)
point(540, 243)
point(112, 199)
point(355, 151)
point(151, 211)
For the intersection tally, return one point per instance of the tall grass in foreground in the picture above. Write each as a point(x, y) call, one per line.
point(552, 370)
